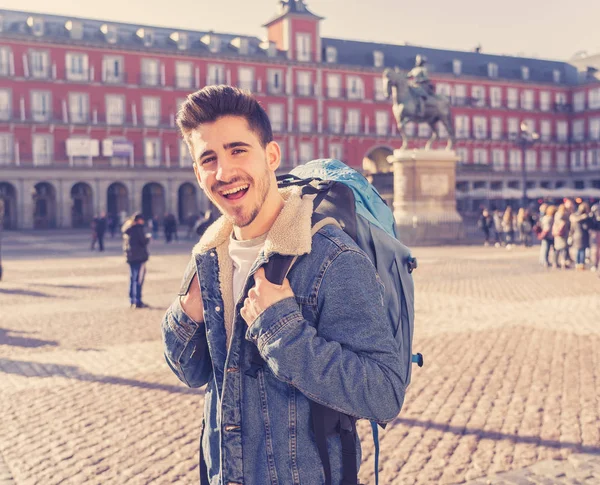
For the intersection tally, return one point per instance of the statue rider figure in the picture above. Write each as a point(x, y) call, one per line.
point(420, 83)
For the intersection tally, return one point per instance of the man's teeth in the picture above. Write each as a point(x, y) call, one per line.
point(233, 191)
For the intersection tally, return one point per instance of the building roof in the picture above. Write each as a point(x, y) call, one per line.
point(441, 61)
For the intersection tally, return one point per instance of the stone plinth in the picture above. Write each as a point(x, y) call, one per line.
point(425, 197)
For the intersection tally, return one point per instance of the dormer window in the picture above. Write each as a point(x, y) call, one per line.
point(147, 36)
point(331, 54)
point(181, 39)
point(75, 29)
point(525, 73)
point(37, 25)
point(303, 47)
point(212, 42)
point(456, 67)
point(110, 33)
point(378, 59)
point(269, 47)
point(492, 70)
point(241, 43)
point(556, 76)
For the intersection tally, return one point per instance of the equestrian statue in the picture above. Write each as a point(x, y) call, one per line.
point(414, 99)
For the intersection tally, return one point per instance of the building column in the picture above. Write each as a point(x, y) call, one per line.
point(63, 203)
point(25, 206)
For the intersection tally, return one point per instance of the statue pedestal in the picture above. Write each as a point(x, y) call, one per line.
point(425, 197)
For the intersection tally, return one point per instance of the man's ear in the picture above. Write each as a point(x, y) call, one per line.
point(273, 155)
point(197, 173)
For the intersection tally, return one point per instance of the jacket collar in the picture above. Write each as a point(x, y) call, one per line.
point(289, 235)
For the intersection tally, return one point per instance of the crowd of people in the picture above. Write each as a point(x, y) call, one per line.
point(569, 234)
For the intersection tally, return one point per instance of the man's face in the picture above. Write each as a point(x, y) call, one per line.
point(232, 167)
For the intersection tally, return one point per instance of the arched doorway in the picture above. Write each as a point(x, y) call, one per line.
point(187, 204)
point(117, 200)
point(375, 161)
point(44, 206)
point(9, 195)
point(153, 201)
point(82, 209)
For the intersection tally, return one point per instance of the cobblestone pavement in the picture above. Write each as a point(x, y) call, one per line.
point(510, 391)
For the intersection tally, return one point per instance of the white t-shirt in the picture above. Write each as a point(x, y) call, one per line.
point(243, 255)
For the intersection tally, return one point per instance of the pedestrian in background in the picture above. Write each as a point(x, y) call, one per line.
point(581, 223)
point(560, 232)
point(508, 226)
point(100, 230)
point(545, 236)
point(525, 226)
point(135, 246)
point(595, 237)
point(497, 218)
point(485, 223)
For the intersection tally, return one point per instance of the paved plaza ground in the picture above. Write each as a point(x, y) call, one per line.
point(510, 391)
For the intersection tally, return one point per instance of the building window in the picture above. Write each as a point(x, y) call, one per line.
point(5, 104)
point(41, 106)
point(152, 152)
point(530, 160)
point(492, 70)
point(579, 101)
point(275, 81)
point(276, 116)
point(42, 149)
point(39, 64)
point(462, 126)
point(115, 109)
point(77, 66)
point(594, 98)
point(513, 98)
point(380, 94)
point(303, 47)
point(305, 119)
point(304, 86)
point(545, 130)
point(382, 123)
point(355, 87)
point(112, 69)
point(444, 89)
point(378, 59)
point(5, 55)
point(578, 130)
point(456, 67)
point(594, 129)
point(562, 131)
point(459, 97)
point(463, 155)
point(423, 130)
point(544, 101)
point(334, 119)
point(513, 128)
point(525, 73)
point(353, 122)
point(561, 161)
point(496, 97)
point(578, 160)
point(498, 161)
point(110, 33)
point(6, 148)
point(560, 101)
point(478, 94)
point(527, 99)
point(246, 79)
point(334, 86)
point(546, 161)
point(150, 72)
point(556, 76)
point(185, 158)
point(514, 160)
point(480, 127)
point(496, 128)
point(79, 107)
point(480, 156)
point(593, 160)
point(306, 151)
point(215, 75)
point(336, 151)
point(331, 54)
point(151, 110)
point(184, 77)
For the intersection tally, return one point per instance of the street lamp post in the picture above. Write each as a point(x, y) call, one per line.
point(525, 140)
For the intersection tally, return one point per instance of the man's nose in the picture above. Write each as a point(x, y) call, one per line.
point(225, 170)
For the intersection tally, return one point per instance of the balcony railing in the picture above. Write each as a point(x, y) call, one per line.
point(275, 89)
point(184, 82)
point(305, 90)
point(247, 85)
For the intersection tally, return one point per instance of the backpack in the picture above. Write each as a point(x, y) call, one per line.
point(345, 198)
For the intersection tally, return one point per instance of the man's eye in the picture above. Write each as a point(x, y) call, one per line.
point(238, 150)
point(208, 160)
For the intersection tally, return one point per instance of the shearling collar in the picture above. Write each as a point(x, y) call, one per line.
point(289, 235)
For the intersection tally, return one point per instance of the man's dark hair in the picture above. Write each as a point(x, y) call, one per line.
point(213, 102)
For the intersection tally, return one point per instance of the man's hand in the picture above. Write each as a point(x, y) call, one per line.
point(262, 295)
point(192, 302)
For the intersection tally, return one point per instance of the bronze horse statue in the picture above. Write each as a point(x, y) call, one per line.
point(406, 108)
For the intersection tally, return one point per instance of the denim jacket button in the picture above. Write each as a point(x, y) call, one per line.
point(217, 308)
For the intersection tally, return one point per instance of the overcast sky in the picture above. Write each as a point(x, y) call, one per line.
point(552, 29)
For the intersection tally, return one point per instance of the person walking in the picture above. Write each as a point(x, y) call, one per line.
point(595, 238)
point(581, 224)
point(498, 234)
point(485, 223)
point(135, 246)
point(508, 227)
point(100, 224)
point(545, 236)
point(560, 232)
point(323, 334)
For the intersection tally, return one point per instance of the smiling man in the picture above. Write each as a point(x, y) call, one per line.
point(323, 334)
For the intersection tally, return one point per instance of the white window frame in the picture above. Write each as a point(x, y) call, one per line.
point(306, 151)
point(545, 160)
point(492, 70)
point(478, 95)
point(378, 59)
point(379, 93)
point(525, 73)
point(115, 116)
point(5, 60)
point(527, 99)
point(578, 130)
point(215, 74)
point(5, 104)
point(556, 76)
point(496, 97)
point(184, 75)
point(303, 47)
point(111, 75)
point(577, 160)
point(480, 156)
point(334, 91)
point(355, 87)
point(152, 146)
point(38, 113)
point(512, 98)
point(246, 79)
point(561, 161)
point(594, 129)
point(496, 128)
point(151, 110)
point(562, 131)
point(336, 150)
point(513, 128)
point(382, 123)
point(44, 156)
point(331, 54)
point(335, 122)
point(498, 159)
point(530, 160)
point(462, 122)
point(545, 130)
point(457, 67)
point(352, 121)
point(594, 98)
point(579, 102)
point(185, 157)
point(39, 64)
point(305, 119)
point(480, 127)
point(304, 83)
point(82, 73)
point(6, 148)
point(149, 72)
point(275, 81)
point(276, 112)
point(545, 101)
point(514, 160)
point(79, 108)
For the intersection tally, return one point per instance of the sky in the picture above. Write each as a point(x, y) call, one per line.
point(549, 29)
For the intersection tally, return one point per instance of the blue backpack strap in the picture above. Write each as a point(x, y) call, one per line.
point(376, 441)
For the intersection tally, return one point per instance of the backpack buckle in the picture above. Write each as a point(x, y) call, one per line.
point(411, 264)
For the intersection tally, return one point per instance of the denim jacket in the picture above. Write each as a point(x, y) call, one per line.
point(331, 343)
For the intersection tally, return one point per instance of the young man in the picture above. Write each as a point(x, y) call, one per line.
point(135, 246)
point(323, 334)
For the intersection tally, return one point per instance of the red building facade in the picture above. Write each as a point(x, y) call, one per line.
point(87, 112)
